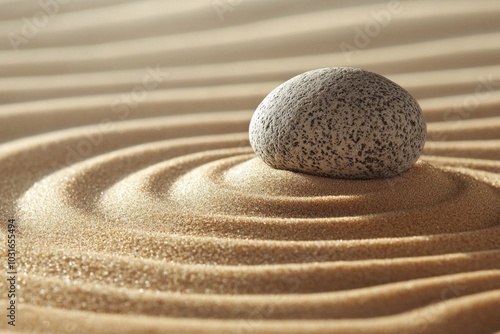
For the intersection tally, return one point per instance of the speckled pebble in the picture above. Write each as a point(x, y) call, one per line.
point(339, 122)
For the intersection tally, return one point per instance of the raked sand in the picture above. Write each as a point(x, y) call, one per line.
point(141, 208)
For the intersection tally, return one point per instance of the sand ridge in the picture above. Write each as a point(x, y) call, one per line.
point(152, 214)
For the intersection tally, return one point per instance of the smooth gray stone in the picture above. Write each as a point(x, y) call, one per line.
point(339, 122)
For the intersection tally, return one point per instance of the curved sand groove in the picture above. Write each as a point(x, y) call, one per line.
point(157, 217)
point(333, 216)
point(435, 318)
point(270, 279)
point(322, 306)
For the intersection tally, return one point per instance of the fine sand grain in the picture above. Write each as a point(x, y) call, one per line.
point(141, 208)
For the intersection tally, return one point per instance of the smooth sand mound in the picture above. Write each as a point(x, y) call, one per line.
point(140, 206)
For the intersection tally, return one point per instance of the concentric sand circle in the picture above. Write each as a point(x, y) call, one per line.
point(152, 213)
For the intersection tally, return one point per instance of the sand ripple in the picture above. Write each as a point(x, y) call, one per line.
point(164, 220)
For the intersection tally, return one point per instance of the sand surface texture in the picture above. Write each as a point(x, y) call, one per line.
point(141, 208)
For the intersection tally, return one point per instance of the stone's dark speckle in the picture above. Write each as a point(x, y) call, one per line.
point(339, 122)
